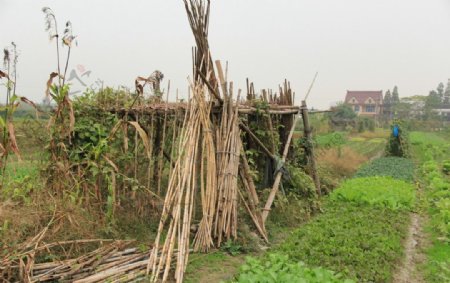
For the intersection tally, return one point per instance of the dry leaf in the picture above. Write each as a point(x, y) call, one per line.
point(29, 102)
point(12, 140)
point(143, 136)
point(49, 83)
point(113, 165)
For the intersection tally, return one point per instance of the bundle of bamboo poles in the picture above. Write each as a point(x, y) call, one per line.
point(208, 179)
point(178, 204)
point(228, 152)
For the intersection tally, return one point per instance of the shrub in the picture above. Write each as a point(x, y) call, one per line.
point(398, 144)
point(277, 268)
point(299, 183)
point(396, 167)
point(377, 191)
point(365, 123)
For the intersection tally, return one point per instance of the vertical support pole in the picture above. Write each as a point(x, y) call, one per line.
point(310, 148)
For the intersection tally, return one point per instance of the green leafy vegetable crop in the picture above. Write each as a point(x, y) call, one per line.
point(277, 268)
point(396, 167)
point(362, 242)
point(377, 191)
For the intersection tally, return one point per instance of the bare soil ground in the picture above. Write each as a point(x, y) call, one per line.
point(408, 270)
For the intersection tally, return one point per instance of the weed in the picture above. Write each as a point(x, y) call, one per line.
point(343, 163)
point(232, 248)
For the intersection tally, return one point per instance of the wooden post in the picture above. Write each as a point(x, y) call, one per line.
point(309, 149)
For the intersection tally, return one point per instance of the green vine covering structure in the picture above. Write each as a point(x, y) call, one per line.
point(398, 143)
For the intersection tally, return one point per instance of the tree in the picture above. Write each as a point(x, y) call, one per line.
point(388, 98)
point(447, 93)
point(447, 89)
point(403, 110)
point(440, 89)
point(387, 104)
point(395, 96)
point(343, 112)
point(342, 116)
point(433, 99)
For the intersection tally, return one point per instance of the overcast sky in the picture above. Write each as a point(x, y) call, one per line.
point(353, 44)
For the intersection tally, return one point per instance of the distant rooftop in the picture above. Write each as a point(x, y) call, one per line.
point(362, 96)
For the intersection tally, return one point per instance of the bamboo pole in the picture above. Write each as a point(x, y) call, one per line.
point(161, 149)
point(279, 174)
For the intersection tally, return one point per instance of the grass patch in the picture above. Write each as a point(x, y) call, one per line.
point(215, 266)
point(427, 138)
point(438, 265)
point(395, 167)
point(331, 139)
point(361, 242)
point(378, 133)
point(365, 146)
point(357, 139)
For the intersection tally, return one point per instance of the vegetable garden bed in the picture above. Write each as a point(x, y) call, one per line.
point(359, 235)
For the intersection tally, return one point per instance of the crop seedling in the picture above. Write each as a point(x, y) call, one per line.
point(342, 239)
point(277, 268)
point(395, 167)
point(377, 191)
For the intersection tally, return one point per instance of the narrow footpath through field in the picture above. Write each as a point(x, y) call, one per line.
point(408, 270)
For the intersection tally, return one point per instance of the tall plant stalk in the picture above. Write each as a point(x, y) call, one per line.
point(7, 66)
point(10, 59)
point(62, 121)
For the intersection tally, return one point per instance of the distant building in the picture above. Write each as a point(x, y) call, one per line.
point(444, 112)
point(365, 103)
point(416, 106)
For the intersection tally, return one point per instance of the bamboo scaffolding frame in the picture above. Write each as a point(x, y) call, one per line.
point(207, 159)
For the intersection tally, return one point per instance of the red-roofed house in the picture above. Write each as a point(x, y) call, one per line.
point(365, 103)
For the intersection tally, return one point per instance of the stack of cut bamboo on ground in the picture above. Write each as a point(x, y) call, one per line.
point(112, 262)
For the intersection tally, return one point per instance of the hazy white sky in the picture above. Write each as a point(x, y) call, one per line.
point(353, 44)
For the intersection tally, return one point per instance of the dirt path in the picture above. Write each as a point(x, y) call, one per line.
point(407, 271)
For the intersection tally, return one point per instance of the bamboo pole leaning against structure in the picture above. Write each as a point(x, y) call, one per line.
point(279, 174)
point(228, 153)
point(178, 205)
point(208, 182)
